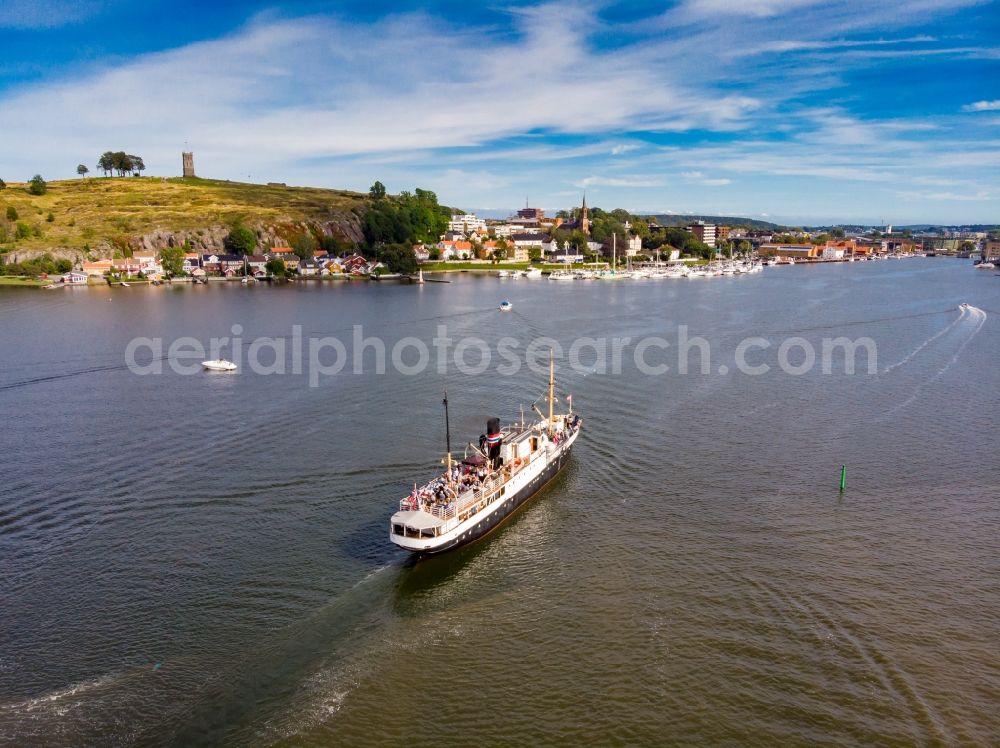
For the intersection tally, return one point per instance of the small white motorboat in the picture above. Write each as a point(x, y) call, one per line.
point(506, 306)
point(123, 284)
point(219, 364)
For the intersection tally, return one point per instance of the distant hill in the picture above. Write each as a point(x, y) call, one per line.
point(97, 216)
point(672, 219)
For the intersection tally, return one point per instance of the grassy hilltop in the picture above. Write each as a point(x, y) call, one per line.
point(92, 216)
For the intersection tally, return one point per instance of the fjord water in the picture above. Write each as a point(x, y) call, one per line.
point(205, 559)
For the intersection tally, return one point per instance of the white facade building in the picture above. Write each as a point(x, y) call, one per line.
point(466, 224)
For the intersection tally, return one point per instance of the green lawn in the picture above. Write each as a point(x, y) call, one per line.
point(16, 280)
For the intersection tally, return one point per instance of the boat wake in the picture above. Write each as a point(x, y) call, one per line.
point(961, 315)
point(976, 318)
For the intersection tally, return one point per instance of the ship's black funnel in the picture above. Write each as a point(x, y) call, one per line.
point(494, 438)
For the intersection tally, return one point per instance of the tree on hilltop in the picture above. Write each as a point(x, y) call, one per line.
point(120, 163)
point(377, 191)
point(136, 165)
point(37, 185)
point(82, 170)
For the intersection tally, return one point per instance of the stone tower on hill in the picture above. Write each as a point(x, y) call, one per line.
point(188, 159)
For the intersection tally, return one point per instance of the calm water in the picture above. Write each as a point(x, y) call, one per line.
point(204, 559)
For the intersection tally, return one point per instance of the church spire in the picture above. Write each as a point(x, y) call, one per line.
point(584, 220)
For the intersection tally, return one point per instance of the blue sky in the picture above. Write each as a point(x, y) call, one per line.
point(802, 111)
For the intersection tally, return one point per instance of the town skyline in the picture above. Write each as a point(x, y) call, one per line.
point(797, 112)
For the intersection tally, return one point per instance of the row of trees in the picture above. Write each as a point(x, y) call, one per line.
point(36, 266)
point(116, 162)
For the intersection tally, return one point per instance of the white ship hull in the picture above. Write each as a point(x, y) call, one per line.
point(421, 532)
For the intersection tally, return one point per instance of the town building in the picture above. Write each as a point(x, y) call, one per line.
point(704, 232)
point(786, 251)
point(96, 269)
point(466, 224)
point(582, 223)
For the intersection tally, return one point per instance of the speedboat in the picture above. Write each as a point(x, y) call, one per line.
point(219, 364)
point(533, 273)
point(506, 306)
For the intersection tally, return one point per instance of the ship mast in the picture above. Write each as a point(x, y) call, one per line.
point(447, 435)
point(552, 388)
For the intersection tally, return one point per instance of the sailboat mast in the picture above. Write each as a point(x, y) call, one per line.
point(552, 387)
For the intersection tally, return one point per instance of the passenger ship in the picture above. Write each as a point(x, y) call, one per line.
point(479, 492)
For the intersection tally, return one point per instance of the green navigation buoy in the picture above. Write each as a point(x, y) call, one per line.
point(843, 477)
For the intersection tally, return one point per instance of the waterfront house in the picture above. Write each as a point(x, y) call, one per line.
point(788, 251)
point(74, 278)
point(97, 269)
point(219, 264)
point(421, 253)
point(256, 262)
point(528, 240)
point(455, 249)
point(126, 266)
point(191, 261)
point(310, 267)
point(845, 247)
point(354, 264)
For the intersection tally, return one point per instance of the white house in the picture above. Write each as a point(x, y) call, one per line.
point(74, 278)
point(634, 246)
point(528, 240)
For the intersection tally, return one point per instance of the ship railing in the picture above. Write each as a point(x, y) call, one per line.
point(454, 507)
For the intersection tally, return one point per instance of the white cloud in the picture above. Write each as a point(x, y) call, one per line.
point(620, 149)
point(697, 9)
point(978, 197)
point(982, 106)
point(700, 178)
point(635, 181)
point(280, 91)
